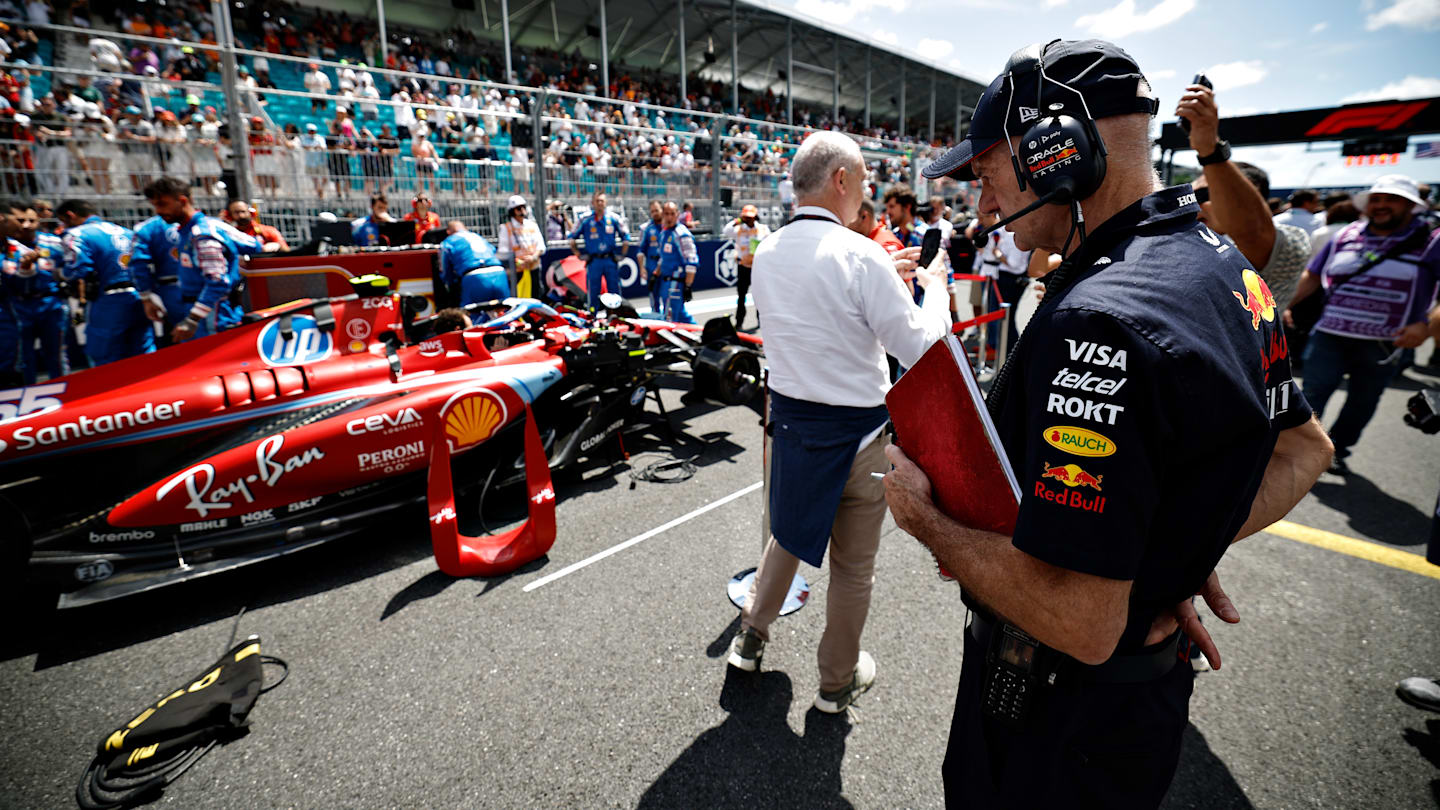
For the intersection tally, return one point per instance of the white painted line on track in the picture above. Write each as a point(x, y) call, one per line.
point(640, 538)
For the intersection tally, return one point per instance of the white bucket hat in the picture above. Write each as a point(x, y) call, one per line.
point(515, 202)
point(1397, 184)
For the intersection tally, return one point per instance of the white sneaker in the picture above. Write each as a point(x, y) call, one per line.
point(840, 700)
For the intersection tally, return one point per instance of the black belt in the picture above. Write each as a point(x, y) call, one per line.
point(1135, 668)
point(611, 256)
point(119, 285)
point(167, 280)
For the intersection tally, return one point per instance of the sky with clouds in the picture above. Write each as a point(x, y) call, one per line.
point(1262, 55)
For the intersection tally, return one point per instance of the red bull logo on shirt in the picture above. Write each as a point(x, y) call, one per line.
point(1257, 300)
point(1071, 475)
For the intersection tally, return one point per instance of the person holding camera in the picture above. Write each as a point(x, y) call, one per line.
point(747, 232)
point(1147, 367)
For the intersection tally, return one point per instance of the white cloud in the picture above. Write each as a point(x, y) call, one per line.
point(887, 37)
point(843, 11)
point(1230, 75)
point(934, 49)
point(1408, 87)
point(1318, 27)
point(1123, 19)
point(1406, 14)
point(1160, 74)
point(1054, 3)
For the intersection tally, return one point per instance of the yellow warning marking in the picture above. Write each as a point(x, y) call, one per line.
point(1364, 549)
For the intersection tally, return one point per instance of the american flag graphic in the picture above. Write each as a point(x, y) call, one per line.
point(1429, 149)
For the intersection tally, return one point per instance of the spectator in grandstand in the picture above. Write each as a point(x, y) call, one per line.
point(136, 136)
point(52, 153)
point(315, 161)
point(1305, 211)
point(366, 230)
point(108, 57)
point(522, 242)
point(786, 189)
point(469, 266)
point(1232, 200)
point(264, 161)
point(424, 218)
point(246, 220)
point(1364, 326)
point(318, 82)
point(341, 144)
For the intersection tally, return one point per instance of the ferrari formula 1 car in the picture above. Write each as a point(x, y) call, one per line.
point(304, 424)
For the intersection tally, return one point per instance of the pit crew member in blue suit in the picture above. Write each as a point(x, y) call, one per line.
point(35, 296)
point(679, 260)
point(156, 264)
point(468, 260)
point(366, 230)
point(650, 253)
point(210, 251)
point(98, 253)
point(605, 240)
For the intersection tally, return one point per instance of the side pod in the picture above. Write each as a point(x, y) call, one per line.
point(461, 556)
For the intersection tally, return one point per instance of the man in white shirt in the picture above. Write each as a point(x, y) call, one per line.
point(317, 82)
point(834, 306)
point(787, 195)
point(1305, 211)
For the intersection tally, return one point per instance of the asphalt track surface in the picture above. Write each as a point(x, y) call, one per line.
point(607, 687)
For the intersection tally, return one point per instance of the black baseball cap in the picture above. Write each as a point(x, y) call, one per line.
point(1107, 77)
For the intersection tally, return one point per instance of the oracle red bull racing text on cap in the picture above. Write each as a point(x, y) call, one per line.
point(1107, 77)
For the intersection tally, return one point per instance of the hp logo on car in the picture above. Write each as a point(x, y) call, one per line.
point(307, 344)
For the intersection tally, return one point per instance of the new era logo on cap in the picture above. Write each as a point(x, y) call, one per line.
point(1028, 114)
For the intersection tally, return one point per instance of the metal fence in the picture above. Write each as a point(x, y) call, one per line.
point(531, 147)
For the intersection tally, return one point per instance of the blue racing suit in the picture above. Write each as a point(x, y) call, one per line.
point(650, 249)
point(468, 260)
point(156, 265)
point(98, 252)
point(678, 258)
point(605, 239)
point(38, 306)
point(365, 231)
point(210, 251)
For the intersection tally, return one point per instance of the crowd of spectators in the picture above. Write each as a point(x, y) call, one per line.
point(94, 134)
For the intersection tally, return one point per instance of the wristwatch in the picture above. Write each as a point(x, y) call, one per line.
point(1220, 154)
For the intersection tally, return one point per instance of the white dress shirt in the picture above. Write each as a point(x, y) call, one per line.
point(834, 306)
point(1300, 218)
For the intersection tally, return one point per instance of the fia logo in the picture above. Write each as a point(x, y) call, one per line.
point(306, 344)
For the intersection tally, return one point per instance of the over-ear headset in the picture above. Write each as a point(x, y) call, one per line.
point(1061, 155)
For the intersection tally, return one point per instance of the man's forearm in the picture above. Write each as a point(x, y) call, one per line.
point(1293, 469)
point(1308, 284)
point(1045, 601)
point(1243, 213)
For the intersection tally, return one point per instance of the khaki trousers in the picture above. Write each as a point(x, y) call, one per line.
point(854, 540)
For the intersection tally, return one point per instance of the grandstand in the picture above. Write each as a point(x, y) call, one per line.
point(576, 117)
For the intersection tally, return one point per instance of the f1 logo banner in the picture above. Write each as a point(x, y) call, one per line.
point(1387, 118)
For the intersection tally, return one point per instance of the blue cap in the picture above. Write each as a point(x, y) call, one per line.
point(132, 110)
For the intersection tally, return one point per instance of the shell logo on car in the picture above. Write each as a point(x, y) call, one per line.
point(471, 417)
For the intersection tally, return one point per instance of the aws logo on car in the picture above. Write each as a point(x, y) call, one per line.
point(470, 417)
point(303, 343)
